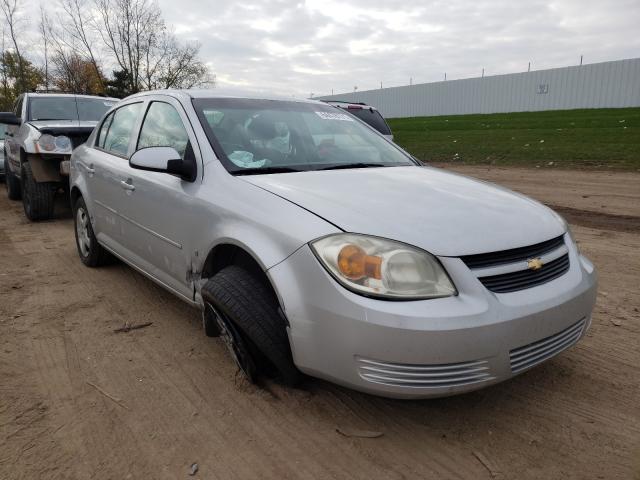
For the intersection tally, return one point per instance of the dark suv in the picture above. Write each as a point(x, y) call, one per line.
point(41, 133)
point(368, 114)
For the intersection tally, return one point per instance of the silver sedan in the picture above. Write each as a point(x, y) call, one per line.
point(312, 244)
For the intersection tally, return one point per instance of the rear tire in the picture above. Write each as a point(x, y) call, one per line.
point(252, 310)
point(12, 183)
point(90, 251)
point(37, 197)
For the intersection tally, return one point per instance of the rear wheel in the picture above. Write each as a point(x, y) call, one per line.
point(91, 252)
point(244, 312)
point(12, 183)
point(37, 197)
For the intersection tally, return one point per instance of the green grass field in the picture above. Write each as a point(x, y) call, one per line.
point(569, 138)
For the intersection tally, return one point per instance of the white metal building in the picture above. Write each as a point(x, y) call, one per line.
point(598, 85)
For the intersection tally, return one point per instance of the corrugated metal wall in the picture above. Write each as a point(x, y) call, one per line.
point(598, 85)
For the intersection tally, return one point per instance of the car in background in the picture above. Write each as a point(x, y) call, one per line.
point(368, 114)
point(41, 133)
point(3, 131)
point(313, 244)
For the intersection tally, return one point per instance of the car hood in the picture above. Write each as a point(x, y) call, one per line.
point(40, 124)
point(444, 213)
point(64, 127)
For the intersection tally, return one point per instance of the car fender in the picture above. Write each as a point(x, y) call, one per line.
point(266, 226)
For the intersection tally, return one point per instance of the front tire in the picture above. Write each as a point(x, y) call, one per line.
point(90, 251)
point(37, 197)
point(12, 183)
point(246, 314)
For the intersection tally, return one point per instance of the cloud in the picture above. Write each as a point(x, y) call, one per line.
point(295, 48)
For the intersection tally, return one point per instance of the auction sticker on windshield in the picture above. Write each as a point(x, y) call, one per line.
point(334, 116)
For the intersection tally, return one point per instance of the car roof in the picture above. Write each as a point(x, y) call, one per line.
point(222, 93)
point(39, 95)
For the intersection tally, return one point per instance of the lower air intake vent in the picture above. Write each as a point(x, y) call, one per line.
point(424, 376)
point(527, 356)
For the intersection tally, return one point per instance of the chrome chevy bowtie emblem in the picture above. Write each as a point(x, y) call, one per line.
point(534, 264)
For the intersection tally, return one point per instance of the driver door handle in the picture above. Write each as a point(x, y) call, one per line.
point(127, 186)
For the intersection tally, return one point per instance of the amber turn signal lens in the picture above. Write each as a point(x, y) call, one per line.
point(354, 263)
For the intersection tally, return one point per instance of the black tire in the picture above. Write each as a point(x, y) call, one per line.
point(12, 183)
point(253, 310)
point(90, 251)
point(37, 197)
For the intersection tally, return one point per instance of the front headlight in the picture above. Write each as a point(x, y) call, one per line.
point(382, 268)
point(50, 144)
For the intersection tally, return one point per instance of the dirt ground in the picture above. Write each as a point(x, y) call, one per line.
point(79, 401)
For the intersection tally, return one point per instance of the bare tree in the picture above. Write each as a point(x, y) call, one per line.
point(10, 9)
point(44, 33)
point(130, 30)
point(172, 65)
point(78, 21)
point(136, 35)
point(5, 81)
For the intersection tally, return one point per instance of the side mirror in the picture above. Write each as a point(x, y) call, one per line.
point(9, 118)
point(158, 159)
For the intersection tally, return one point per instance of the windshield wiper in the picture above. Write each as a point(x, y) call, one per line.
point(353, 165)
point(264, 170)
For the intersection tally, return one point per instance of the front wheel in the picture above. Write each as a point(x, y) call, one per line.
point(91, 252)
point(244, 312)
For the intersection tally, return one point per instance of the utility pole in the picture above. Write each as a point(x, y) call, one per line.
point(445, 76)
point(529, 67)
point(580, 60)
point(483, 73)
point(380, 85)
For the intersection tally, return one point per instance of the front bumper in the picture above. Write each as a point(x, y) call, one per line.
point(429, 348)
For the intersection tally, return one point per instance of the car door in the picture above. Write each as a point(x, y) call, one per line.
point(157, 213)
point(104, 166)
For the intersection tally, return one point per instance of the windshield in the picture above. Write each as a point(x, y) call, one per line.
point(68, 108)
point(3, 131)
point(262, 136)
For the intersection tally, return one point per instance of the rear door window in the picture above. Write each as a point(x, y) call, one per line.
point(119, 133)
point(102, 133)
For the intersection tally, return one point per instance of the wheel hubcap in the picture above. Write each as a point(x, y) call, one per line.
point(82, 231)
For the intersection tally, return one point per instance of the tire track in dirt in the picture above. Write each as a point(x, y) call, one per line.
point(599, 220)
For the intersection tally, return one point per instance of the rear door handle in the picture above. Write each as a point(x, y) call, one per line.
point(127, 186)
point(90, 170)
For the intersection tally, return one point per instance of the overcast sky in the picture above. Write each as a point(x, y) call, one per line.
point(318, 45)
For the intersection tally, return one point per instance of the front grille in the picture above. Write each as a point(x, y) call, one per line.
point(521, 254)
point(424, 376)
point(534, 353)
point(521, 279)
